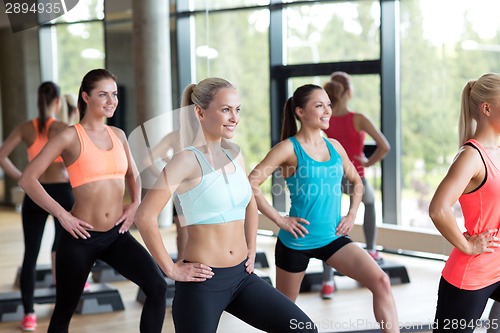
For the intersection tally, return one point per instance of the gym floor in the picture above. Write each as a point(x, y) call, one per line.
point(349, 310)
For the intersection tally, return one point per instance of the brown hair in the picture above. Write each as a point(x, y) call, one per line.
point(88, 83)
point(289, 118)
point(47, 93)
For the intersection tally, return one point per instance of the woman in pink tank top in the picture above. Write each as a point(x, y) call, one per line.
point(472, 273)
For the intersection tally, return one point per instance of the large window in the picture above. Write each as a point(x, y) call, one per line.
point(436, 62)
point(235, 47)
point(327, 32)
point(76, 42)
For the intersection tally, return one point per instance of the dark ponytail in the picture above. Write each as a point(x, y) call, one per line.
point(288, 120)
point(298, 100)
point(47, 93)
point(88, 83)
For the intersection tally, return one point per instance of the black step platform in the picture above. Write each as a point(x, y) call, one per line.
point(98, 299)
point(313, 277)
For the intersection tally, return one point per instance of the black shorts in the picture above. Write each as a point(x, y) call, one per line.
point(296, 261)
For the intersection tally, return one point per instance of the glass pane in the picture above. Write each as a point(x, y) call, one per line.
point(83, 11)
point(436, 62)
point(235, 47)
point(221, 4)
point(365, 100)
point(341, 31)
point(80, 48)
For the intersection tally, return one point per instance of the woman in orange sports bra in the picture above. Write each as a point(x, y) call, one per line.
point(471, 275)
point(100, 168)
point(34, 134)
point(220, 214)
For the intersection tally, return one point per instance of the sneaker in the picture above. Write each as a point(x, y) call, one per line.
point(29, 322)
point(376, 256)
point(86, 287)
point(327, 289)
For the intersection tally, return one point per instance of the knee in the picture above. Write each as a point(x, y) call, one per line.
point(156, 288)
point(382, 284)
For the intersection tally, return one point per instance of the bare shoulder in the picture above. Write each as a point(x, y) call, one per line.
point(120, 134)
point(26, 127)
point(67, 134)
point(56, 127)
point(336, 144)
point(183, 162)
point(235, 152)
point(467, 154)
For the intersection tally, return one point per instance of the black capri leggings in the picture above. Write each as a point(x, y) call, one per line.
point(198, 306)
point(460, 310)
point(75, 258)
point(34, 218)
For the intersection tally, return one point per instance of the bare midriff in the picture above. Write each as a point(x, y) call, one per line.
point(217, 245)
point(99, 203)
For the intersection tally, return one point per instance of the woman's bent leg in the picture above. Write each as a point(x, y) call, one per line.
point(259, 304)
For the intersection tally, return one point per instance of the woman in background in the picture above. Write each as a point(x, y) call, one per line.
point(34, 134)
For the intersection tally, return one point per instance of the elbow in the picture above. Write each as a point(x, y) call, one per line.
point(23, 182)
point(436, 212)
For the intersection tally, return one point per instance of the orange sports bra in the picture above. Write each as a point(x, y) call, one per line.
point(41, 140)
point(95, 164)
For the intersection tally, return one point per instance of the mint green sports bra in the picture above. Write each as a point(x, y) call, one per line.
point(218, 198)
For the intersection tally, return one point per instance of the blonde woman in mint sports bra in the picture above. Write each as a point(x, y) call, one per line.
point(100, 168)
point(220, 214)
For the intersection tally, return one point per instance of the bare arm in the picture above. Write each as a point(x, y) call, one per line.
point(347, 222)
point(30, 184)
point(146, 220)
point(465, 174)
point(273, 160)
point(251, 223)
point(133, 182)
point(12, 141)
point(381, 142)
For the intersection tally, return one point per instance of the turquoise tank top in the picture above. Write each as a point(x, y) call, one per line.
point(316, 194)
point(218, 198)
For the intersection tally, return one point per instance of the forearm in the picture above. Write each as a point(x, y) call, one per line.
point(445, 222)
point(37, 193)
point(134, 189)
point(150, 233)
point(266, 208)
point(377, 156)
point(251, 225)
point(10, 169)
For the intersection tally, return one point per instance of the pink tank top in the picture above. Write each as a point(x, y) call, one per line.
point(342, 129)
point(481, 211)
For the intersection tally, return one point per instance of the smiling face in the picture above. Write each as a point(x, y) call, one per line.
point(102, 99)
point(317, 111)
point(220, 118)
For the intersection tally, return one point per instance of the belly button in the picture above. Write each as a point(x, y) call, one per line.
point(107, 214)
point(230, 252)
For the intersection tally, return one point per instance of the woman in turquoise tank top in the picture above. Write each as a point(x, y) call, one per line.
point(313, 167)
point(217, 207)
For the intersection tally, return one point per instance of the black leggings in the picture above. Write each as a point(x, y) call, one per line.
point(34, 219)
point(198, 306)
point(460, 310)
point(75, 258)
